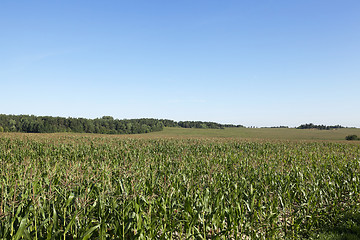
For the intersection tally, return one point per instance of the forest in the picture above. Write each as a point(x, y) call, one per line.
point(103, 125)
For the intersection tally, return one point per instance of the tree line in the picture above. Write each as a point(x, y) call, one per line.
point(197, 124)
point(320, 127)
point(109, 125)
point(104, 125)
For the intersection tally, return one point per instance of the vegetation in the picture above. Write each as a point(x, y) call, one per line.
point(72, 186)
point(198, 124)
point(320, 127)
point(352, 137)
point(106, 124)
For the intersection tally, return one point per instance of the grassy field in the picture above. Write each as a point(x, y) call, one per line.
point(181, 184)
point(261, 133)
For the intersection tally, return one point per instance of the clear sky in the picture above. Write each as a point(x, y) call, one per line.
point(256, 63)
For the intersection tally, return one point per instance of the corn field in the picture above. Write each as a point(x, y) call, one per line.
point(99, 187)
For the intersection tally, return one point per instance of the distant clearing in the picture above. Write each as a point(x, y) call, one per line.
point(260, 133)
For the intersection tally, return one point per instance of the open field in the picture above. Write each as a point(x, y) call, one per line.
point(261, 133)
point(180, 184)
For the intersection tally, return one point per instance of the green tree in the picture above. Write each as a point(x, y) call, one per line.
point(352, 137)
point(12, 123)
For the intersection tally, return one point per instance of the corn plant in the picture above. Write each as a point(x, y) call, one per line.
point(100, 187)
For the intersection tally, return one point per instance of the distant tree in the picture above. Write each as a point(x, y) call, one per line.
point(199, 124)
point(231, 126)
point(89, 126)
point(12, 124)
point(320, 127)
point(352, 137)
point(169, 123)
point(108, 118)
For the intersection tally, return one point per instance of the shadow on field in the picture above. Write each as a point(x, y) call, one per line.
point(348, 228)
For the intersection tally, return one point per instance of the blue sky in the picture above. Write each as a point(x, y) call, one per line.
point(256, 63)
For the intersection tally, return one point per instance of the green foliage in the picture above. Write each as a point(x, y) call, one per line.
point(1, 129)
point(108, 187)
point(320, 127)
point(106, 124)
point(352, 137)
point(199, 124)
